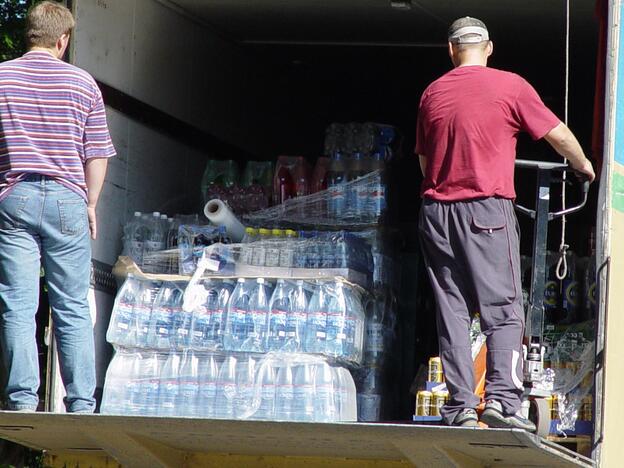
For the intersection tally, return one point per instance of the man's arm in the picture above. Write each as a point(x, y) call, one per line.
point(423, 163)
point(565, 143)
point(95, 171)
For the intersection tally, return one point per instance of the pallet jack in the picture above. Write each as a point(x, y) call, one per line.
point(535, 405)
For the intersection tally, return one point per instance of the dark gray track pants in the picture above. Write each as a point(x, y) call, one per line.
point(472, 251)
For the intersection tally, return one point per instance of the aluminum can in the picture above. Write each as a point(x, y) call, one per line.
point(435, 370)
point(423, 403)
point(437, 401)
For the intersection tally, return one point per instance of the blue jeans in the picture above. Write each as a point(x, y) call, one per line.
point(43, 222)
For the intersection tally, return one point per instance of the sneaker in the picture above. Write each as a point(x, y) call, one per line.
point(493, 416)
point(466, 418)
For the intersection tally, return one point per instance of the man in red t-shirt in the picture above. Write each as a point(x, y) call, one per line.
point(468, 124)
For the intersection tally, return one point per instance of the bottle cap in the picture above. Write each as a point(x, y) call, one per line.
point(277, 232)
point(290, 233)
point(264, 232)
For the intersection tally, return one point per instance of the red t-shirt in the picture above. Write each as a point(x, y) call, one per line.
point(468, 125)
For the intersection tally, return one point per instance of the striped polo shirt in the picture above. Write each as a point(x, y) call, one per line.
point(52, 120)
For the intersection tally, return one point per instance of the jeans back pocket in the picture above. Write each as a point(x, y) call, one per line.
point(73, 214)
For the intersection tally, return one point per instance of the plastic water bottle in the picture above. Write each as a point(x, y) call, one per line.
point(346, 395)
point(280, 307)
point(336, 185)
point(155, 242)
point(314, 251)
point(374, 339)
point(316, 321)
point(260, 248)
point(274, 247)
point(296, 319)
point(358, 194)
point(161, 331)
point(256, 318)
point(132, 395)
point(355, 325)
point(122, 327)
point(149, 292)
point(236, 322)
point(134, 237)
point(150, 366)
point(287, 252)
point(245, 388)
point(325, 401)
point(284, 393)
point(303, 393)
point(377, 188)
point(208, 370)
point(226, 389)
point(182, 322)
point(301, 250)
point(189, 385)
point(337, 340)
point(246, 252)
point(266, 380)
point(169, 386)
point(113, 398)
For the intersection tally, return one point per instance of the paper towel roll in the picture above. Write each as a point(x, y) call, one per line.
point(220, 214)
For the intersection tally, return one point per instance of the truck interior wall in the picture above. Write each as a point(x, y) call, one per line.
point(273, 100)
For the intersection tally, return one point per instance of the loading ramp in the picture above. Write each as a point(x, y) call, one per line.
point(179, 442)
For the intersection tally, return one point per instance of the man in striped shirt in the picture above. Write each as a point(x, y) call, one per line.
point(54, 148)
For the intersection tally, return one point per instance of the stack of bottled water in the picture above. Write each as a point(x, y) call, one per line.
point(301, 249)
point(293, 387)
point(146, 233)
point(321, 317)
point(162, 245)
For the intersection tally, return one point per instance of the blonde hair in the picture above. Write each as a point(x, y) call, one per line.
point(46, 22)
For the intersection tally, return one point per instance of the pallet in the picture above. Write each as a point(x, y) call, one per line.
point(581, 444)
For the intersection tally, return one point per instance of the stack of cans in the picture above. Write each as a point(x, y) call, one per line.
point(428, 403)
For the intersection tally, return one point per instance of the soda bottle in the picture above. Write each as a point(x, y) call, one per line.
point(301, 173)
point(316, 321)
point(235, 331)
point(256, 318)
point(283, 183)
point(280, 307)
point(319, 177)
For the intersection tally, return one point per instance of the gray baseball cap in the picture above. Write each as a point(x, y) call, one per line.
point(468, 30)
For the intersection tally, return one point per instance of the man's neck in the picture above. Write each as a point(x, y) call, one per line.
point(52, 52)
